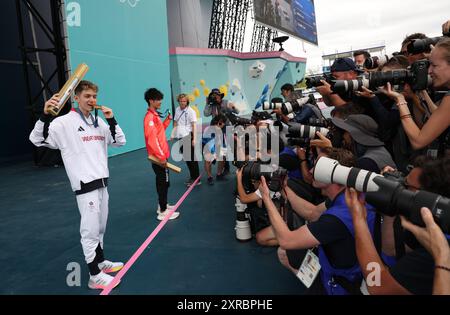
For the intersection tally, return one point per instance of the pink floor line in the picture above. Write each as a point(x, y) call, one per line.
point(147, 242)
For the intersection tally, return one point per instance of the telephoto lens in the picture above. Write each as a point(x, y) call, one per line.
point(288, 107)
point(243, 229)
point(375, 62)
point(303, 131)
point(389, 196)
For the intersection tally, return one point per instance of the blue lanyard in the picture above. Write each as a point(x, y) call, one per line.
point(94, 121)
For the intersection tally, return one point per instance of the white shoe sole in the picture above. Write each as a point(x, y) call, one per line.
point(172, 217)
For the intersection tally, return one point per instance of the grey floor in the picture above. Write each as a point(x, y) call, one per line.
point(196, 254)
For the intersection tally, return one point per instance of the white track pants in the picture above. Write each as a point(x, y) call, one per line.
point(93, 208)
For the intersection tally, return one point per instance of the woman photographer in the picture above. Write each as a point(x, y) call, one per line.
point(264, 233)
point(438, 124)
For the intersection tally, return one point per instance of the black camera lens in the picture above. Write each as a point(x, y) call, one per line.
point(418, 46)
point(254, 171)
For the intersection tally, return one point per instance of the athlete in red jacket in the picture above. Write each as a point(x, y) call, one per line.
point(157, 146)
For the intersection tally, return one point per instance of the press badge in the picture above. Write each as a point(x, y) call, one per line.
point(309, 269)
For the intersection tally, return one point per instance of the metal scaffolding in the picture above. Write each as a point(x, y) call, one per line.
point(228, 22)
point(31, 50)
point(262, 39)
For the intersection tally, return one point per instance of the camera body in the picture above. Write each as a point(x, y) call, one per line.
point(254, 170)
point(315, 81)
point(212, 101)
point(238, 121)
point(418, 46)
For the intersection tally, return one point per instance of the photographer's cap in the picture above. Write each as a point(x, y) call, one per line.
point(362, 128)
point(344, 64)
point(217, 91)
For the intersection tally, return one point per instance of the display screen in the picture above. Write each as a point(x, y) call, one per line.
point(294, 17)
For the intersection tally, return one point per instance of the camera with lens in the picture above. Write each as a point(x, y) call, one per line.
point(418, 46)
point(296, 130)
point(395, 176)
point(292, 106)
point(299, 142)
point(315, 81)
point(212, 101)
point(238, 121)
point(253, 171)
point(387, 194)
point(259, 116)
point(375, 62)
point(416, 76)
point(318, 122)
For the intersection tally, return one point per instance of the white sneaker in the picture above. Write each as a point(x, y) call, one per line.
point(163, 215)
point(169, 207)
point(100, 281)
point(109, 266)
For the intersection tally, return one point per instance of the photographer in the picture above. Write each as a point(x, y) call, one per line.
point(215, 104)
point(435, 242)
point(332, 232)
point(413, 273)
point(438, 124)
point(341, 69)
point(359, 134)
point(304, 113)
point(404, 49)
point(360, 57)
point(387, 115)
point(263, 230)
point(212, 148)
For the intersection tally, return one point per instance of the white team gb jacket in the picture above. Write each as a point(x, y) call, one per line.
point(84, 148)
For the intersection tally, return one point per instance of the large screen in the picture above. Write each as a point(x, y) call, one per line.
point(295, 17)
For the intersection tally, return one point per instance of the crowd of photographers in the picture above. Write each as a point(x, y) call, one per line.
point(359, 202)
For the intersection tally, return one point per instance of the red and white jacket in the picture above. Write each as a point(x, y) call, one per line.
point(155, 135)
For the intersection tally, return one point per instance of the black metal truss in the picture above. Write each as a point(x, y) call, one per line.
point(228, 22)
point(262, 38)
point(54, 33)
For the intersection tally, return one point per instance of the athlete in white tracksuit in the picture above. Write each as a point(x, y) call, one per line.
point(83, 141)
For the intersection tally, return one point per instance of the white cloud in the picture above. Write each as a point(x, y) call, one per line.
point(346, 24)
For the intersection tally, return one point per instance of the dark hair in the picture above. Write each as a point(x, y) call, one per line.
point(85, 85)
point(153, 94)
point(396, 62)
point(343, 156)
point(409, 38)
point(287, 87)
point(435, 176)
point(361, 52)
point(347, 109)
point(277, 100)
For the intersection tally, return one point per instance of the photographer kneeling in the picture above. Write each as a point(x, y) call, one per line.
point(332, 233)
point(258, 214)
